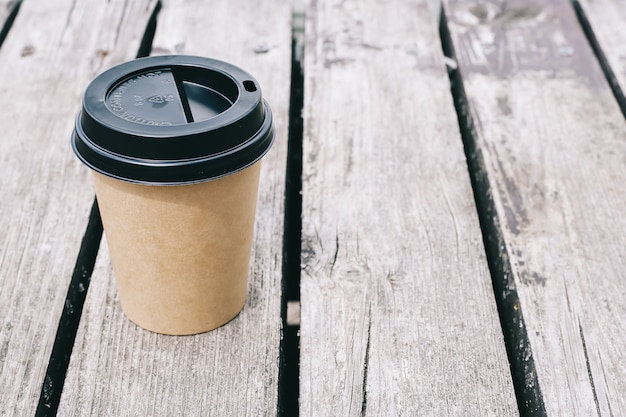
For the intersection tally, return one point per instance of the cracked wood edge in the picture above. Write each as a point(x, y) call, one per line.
point(51, 52)
point(120, 369)
point(398, 315)
point(552, 141)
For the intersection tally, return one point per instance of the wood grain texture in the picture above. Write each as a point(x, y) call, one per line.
point(607, 18)
point(553, 144)
point(122, 370)
point(48, 57)
point(398, 315)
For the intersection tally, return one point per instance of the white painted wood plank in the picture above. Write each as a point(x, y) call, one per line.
point(398, 315)
point(49, 55)
point(122, 370)
point(553, 143)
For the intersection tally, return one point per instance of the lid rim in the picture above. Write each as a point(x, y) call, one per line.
point(174, 172)
point(228, 142)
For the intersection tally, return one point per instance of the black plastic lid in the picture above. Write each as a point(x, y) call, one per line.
point(169, 120)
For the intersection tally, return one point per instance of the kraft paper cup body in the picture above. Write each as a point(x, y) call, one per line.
point(180, 254)
point(178, 214)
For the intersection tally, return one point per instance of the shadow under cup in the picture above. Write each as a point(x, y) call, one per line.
point(175, 144)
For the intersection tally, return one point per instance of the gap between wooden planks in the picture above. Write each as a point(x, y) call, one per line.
point(120, 369)
point(553, 143)
point(397, 310)
point(603, 20)
point(51, 52)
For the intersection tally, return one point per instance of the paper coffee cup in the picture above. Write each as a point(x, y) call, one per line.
point(175, 144)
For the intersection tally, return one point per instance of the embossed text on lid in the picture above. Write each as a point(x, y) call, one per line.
point(169, 120)
point(149, 98)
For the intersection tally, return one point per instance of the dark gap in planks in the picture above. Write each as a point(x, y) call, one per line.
point(289, 373)
point(58, 364)
point(145, 47)
point(70, 318)
point(14, 7)
point(528, 393)
point(597, 50)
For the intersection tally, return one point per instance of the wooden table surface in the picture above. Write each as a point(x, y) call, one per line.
point(441, 225)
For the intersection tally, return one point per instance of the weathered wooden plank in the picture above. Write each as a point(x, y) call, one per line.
point(398, 315)
point(122, 370)
point(606, 19)
point(49, 55)
point(8, 10)
point(553, 143)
